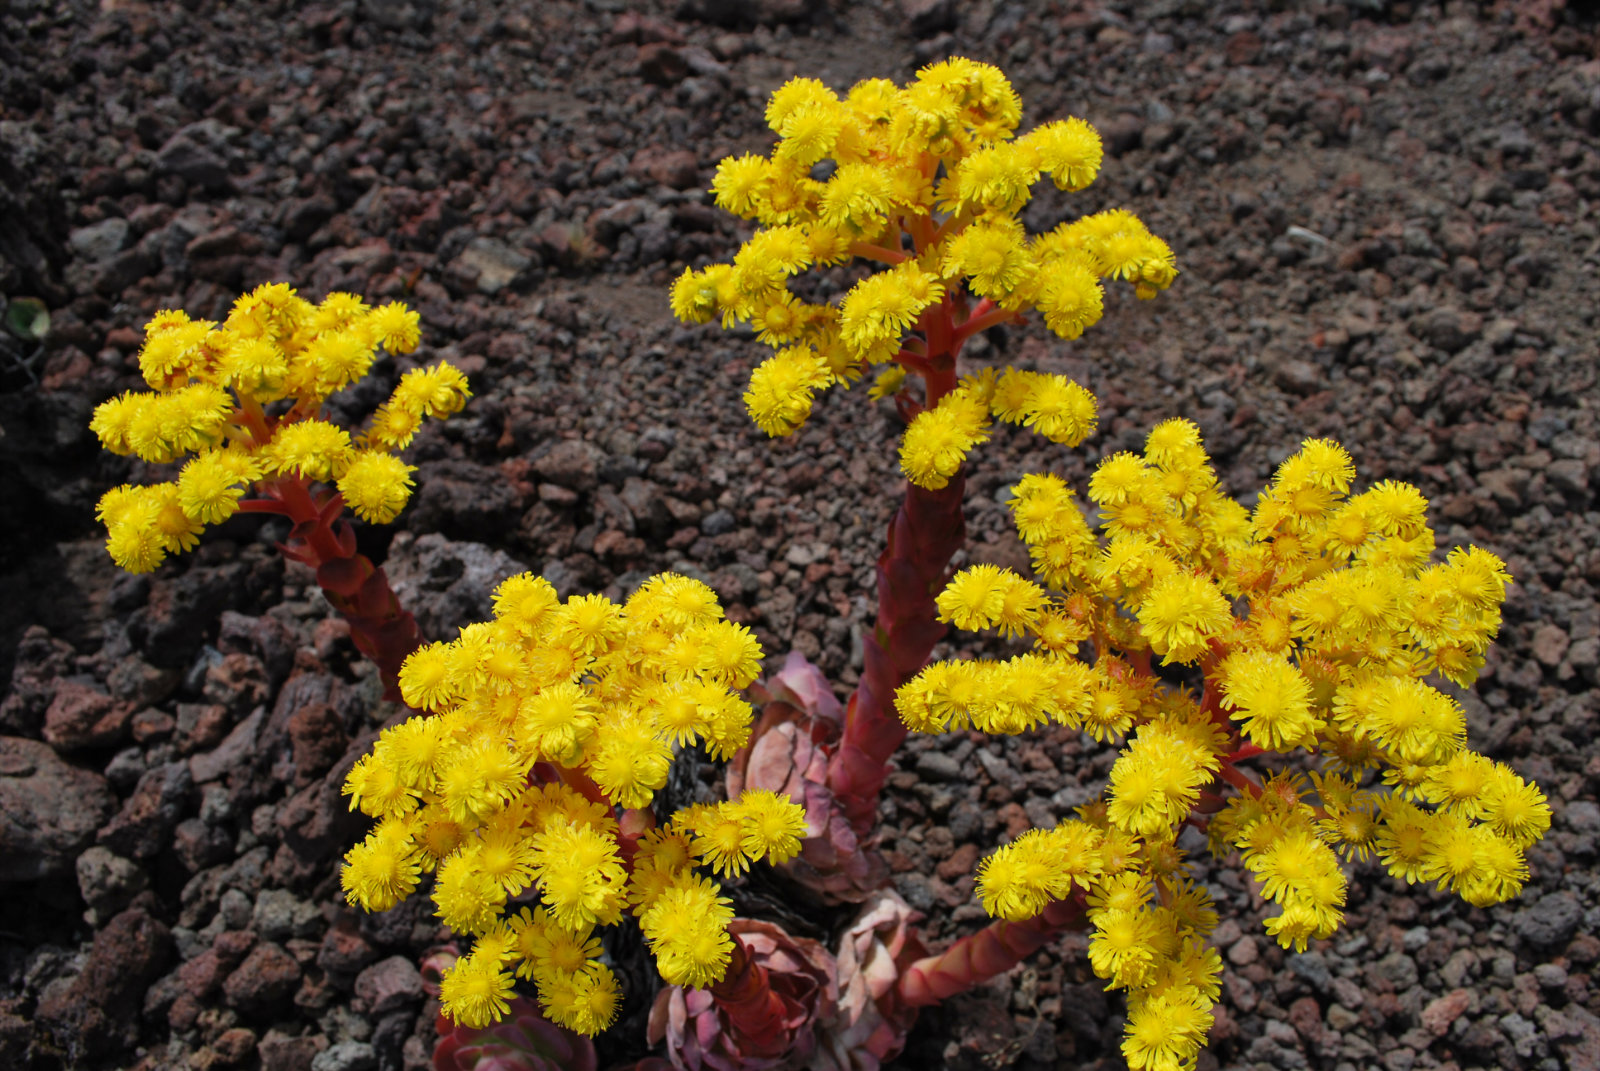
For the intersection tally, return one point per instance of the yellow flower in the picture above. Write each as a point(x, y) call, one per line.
point(1181, 615)
point(376, 485)
point(1271, 697)
point(474, 991)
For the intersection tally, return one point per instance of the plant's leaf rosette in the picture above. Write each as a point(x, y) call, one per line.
point(789, 754)
point(523, 1041)
point(765, 1013)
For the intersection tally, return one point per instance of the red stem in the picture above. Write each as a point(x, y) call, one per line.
point(926, 532)
point(993, 950)
point(912, 361)
point(878, 253)
point(263, 505)
point(921, 228)
point(1238, 779)
point(253, 418)
point(359, 590)
point(1247, 750)
point(985, 316)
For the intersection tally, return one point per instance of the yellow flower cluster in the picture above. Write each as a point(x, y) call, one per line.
point(597, 696)
point(927, 179)
point(244, 398)
point(1316, 619)
point(938, 439)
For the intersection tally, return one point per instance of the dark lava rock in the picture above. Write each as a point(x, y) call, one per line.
point(185, 156)
point(172, 625)
point(99, 1012)
point(40, 660)
point(263, 982)
point(345, 952)
point(389, 985)
point(463, 500)
point(1550, 922)
point(265, 637)
point(316, 825)
point(109, 882)
point(1448, 329)
point(281, 1052)
point(318, 739)
point(198, 845)
point(446, 584)
point(49, 811)
point(937, 766)
point(399, 14)
point(145, 824)
point(571, 463)
point(81, 716)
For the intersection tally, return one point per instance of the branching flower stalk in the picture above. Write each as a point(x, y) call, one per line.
point(926, 180)
point(245, 398)
point(1316, 622)
point(987, 954)
point(927, 530)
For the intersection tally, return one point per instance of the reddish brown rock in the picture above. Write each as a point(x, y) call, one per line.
point(959, 863)
point(264, 982)
point(344, 951)
point(1243, 48)
point(662, 64)
point(318, 740)
point(1438, 1016)
point(49, 810)
point(99, 1012)
point(82, 717)
point(281, 1052)
point(232, 1049)
point(389, 985)
point(145, 824)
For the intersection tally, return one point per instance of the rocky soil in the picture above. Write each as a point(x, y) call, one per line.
point(1385, 216)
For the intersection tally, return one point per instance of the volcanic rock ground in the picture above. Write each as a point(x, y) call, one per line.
point(1385, 217)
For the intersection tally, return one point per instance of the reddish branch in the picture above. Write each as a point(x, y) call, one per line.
point(926, 532)
point(359, 590)
point(991, 951)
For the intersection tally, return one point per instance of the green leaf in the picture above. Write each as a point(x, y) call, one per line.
point(28, 319)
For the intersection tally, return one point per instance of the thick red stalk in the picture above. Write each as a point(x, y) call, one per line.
point(927, 530)
point(991, 951)
point(359, 590)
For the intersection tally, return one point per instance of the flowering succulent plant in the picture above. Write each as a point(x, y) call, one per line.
point(1316, 625)
point(928, 180)
point(245, 398)
point(1315, 621)
point(541, 724)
